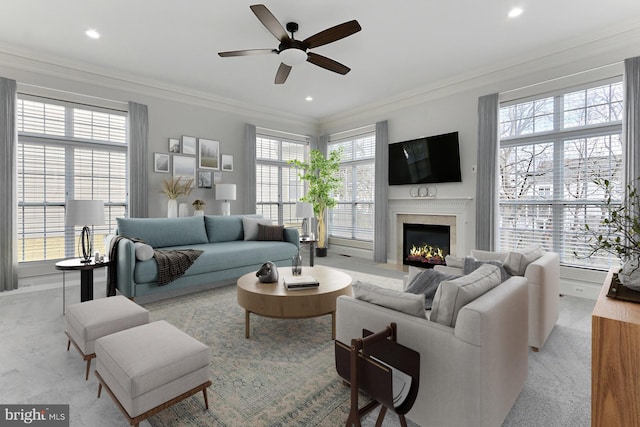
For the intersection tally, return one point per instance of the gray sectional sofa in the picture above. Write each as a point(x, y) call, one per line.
point(229, 244)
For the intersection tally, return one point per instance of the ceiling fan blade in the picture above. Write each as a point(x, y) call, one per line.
point(327, 63)
point(282, 73)
point(269, 21)
point(332, 34)
point(246, 52)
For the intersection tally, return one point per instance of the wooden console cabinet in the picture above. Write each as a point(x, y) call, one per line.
point(615, 361)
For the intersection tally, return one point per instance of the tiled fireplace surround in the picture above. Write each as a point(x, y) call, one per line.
point(450, 211)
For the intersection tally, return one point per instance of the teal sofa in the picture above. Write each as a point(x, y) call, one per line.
point(226, 254)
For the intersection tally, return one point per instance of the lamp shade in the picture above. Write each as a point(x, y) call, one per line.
point(225, 191)
point(304, 210)
point(84, 212)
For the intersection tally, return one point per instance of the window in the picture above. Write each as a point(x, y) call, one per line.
point(278, 186)
point(353, 217)
point(66, 151)
point(552, 148)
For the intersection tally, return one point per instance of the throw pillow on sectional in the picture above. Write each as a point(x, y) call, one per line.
point(471, 264)
point(518, 261)
point(426, 283)
point(389, 298)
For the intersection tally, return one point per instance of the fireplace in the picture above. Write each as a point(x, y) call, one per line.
point(425, 245)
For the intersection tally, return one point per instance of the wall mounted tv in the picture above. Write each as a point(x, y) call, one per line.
point(425, 160)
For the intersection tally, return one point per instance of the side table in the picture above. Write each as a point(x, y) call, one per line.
point(312, 244)
point(86, 276)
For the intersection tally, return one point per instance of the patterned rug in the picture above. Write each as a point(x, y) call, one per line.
point(284, 375)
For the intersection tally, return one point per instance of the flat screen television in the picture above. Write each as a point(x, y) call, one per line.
point(425, 160)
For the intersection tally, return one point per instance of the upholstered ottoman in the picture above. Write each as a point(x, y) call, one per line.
point(87, 321)
point(148, 368)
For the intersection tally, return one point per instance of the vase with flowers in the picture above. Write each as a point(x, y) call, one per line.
point(174, 188)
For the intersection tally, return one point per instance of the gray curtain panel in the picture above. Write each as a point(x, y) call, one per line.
point(250, 169)
point(138, 127)
point(381, 192)
point(487, 167)
point(8, 165)
point(631, 119)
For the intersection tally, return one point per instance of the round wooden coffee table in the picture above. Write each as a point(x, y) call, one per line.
point(274, 300)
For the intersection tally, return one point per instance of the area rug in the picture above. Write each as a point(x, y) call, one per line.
point(284, 375)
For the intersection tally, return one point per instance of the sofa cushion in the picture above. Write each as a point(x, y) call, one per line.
point(517, 261)
point(489, 255)
point(223, 228)
point(396, 300)
point(163, 232)
point(250, 226)
point(471, 264)
point(426, 283)
point(454, 294)
point(222, 256)
point(454, 261)
point(270, 232)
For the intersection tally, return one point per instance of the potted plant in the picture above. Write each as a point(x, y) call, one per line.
point(323, 179)
point(622, 237)
point(198, 205)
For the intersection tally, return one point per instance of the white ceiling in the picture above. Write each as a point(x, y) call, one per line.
point(403, 45)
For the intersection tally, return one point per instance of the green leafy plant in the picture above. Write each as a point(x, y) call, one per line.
point(622, 223)
point(323, 179)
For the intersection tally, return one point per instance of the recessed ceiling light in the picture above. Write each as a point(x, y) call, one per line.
point(308, 98)
point(515, 12)
point(92, 33)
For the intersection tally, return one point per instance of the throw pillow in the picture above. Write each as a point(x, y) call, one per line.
point(390, 298)
point(454, 261)
point(517, 262)
point(270, 232)
point(426, 283)
point(489, 255)
point(471, 264)
point(144, 252)
point(452, 295)
point(250, 227)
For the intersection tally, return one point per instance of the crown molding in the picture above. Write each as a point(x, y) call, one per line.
point(80, 72)
point(571, 53)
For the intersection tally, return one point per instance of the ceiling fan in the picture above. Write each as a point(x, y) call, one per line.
point(294, 51)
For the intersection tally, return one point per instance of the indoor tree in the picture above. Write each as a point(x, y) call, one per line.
point(323, 180)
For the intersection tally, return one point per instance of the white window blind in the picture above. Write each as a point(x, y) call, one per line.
point(66, 151)
point(278, 186)
point(353, 217)
point(552, 148)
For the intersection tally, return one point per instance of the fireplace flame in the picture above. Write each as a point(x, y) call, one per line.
point(426, 253)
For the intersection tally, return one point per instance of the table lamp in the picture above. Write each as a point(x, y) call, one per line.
point(304, 210)
point(85, 213)
point(226, 192)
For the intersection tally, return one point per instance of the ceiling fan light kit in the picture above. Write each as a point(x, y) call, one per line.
point(293, 52)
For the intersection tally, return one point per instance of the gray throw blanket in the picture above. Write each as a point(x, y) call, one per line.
point(427, 283)
point(171, 264)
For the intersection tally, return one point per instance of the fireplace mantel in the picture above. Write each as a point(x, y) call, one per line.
point(442, 211)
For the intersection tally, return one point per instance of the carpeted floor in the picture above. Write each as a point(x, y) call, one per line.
point(283, 376)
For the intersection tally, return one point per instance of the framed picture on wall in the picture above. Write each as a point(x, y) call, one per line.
point(174, 145)
point(209, 154)
point(204, 179)
point(184, 166)
point(188, 145)
point(161, 162)
point(217, 177)
point(227, 162)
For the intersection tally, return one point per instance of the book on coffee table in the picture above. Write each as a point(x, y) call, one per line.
point(300, 282)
